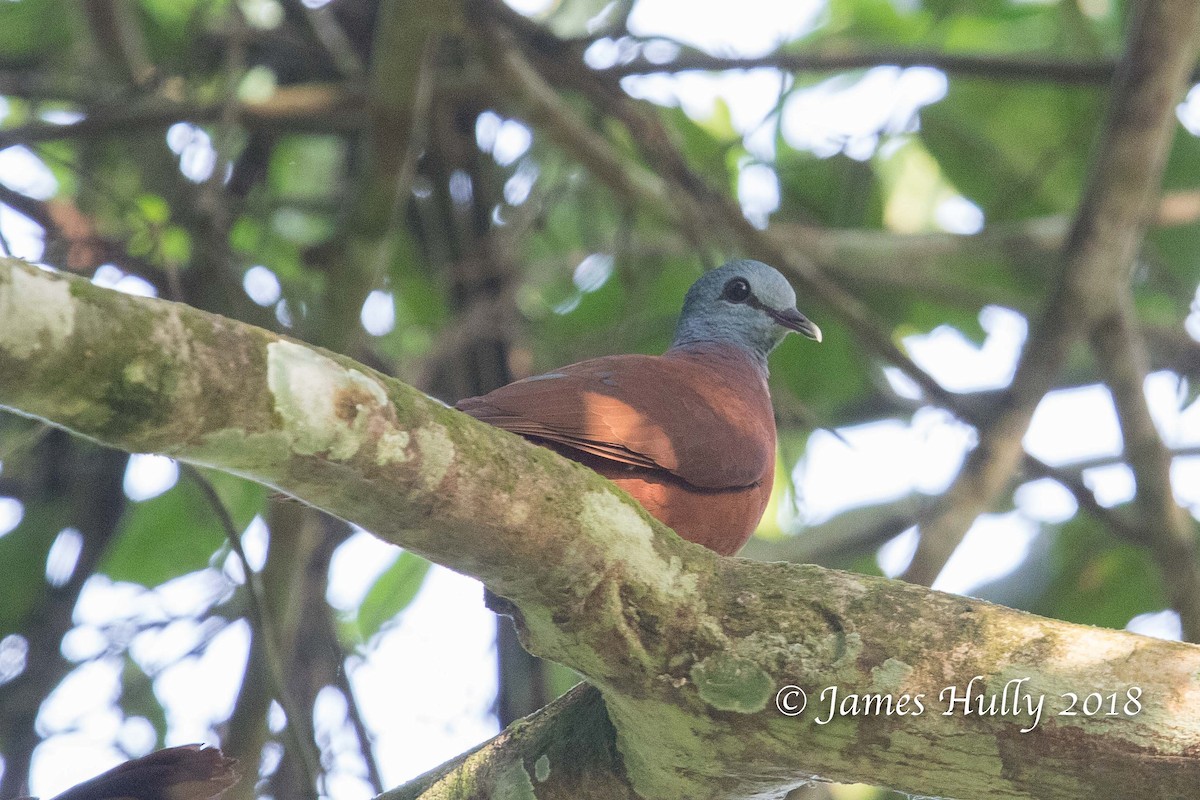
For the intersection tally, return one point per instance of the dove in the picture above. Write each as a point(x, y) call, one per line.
point(689, 434)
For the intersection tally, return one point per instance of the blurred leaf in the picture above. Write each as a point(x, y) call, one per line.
point(863, 22)
point(174, 13)
point(996, 26)
point(867, 564)
point(836, 191)
point(391, 593)
point(302, 228)
point(28, 28)
point(23, 552)
point(1175, 249)
point(307, 168)
point(153, 208)
point(921, 316)
point(1014, 150)
point(178, 531)
point(570, 18)
point(176, 244)
point(706, 143)
point(824, 376)
point(1095, 578)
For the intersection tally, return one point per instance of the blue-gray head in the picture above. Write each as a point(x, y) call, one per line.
point(744, 303)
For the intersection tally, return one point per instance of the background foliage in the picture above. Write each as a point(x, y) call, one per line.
point(459, 195)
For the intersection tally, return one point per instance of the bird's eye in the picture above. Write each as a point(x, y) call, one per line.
point(736, 291)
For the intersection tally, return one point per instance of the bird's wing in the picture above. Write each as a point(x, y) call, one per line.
point(644, 411)
point(190, 772)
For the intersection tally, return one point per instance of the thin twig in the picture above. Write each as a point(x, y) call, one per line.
point(302, 107)
point(1033, 67)
point(326, 29)
point(264, 624)
point(354, 713)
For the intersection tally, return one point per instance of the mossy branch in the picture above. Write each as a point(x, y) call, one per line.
point(689, 650)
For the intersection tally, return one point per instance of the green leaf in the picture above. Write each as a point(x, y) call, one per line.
point(23, 552)
point(391, 593)
point(28, 28)
point(1080, 572)
point(154, 208)
point(178, 531)
point(836, 191)
point(176, 244)
point(823, 376)
point(1014, 150)
point(308, 168)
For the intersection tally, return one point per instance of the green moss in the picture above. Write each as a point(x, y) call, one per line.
point(204, 331)
point(730, 683)
point(234, 447)
point(513, 783)
point(666, 750)
point(141, 398)
point(546, 640)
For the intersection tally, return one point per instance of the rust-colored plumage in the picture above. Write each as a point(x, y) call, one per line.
point(689, 434)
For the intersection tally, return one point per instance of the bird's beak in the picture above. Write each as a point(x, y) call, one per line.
point(793, 320)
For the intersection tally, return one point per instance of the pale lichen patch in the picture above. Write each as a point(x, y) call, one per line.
point(541, 768)
point(1090, 646)
point(137, 373)
point(437, 454)
point(36, 308)
point(325, 407)
point(515, 512)
point(392, 448)
point(890, 675)
point(605, 516)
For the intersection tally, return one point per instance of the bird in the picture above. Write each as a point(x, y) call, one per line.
point(689, 434)
point(187, 772)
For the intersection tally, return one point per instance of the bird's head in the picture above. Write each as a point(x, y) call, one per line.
point(744, 303)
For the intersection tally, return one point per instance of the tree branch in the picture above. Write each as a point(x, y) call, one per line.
point(1117, 205)
point(688, 649)
point(1167, 531)
point(312, 107)
point(1031, 67)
